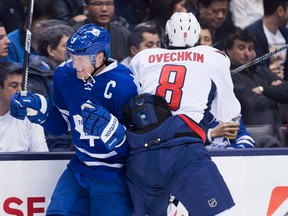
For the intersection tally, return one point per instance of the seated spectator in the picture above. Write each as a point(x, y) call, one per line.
point(52, 44)
point(223, 135)
point(256, 87)
point(43, 9)
point(101, 14)
point(4, 43)
point(16, 135)
point(39, 28)
point(143, 37)
point(205, 36)
point(214, 14)
point(271, 33)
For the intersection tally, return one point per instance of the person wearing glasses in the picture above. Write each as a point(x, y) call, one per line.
point(102, 14)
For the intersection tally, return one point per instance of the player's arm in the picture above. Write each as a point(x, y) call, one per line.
point(39, 110)
point(218, 65)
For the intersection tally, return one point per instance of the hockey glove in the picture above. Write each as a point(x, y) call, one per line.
point(16, 110)
point(97, 121)
point(34, 106)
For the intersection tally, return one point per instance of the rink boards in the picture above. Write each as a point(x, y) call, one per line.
point(258, 180)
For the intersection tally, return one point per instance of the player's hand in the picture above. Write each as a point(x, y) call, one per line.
point(97, 121)
point(16, 110)
point(34, 106)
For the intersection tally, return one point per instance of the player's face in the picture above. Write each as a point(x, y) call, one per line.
point(241, 52)
point(149, 41)
point(4, 43)
point(84, 65)
point(205, 37)
point(215, 14)
point(100, 12)
point(12, 84)
point(180, 6)
point(58, 54)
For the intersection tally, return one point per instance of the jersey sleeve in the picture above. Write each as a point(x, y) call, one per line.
point(225, 106)
point(57, 121)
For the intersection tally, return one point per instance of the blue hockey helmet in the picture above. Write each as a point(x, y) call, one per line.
point(89, 39)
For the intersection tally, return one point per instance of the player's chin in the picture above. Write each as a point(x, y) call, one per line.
point(82, 75)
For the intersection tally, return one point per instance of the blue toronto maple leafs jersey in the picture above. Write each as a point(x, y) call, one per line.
point(112, 88)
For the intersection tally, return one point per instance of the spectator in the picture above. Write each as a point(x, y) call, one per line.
point(41, 68)
point(214, 14)
point(161, 11)
point(52, 44)
point(43, 9)
point(245, 12)
point(101, 14)
point(70, 11)
point(221, 135)
point(95, 177)
point(143, 37)
point(4, 43)
point(39, 28)
point(256, 87)
point(16, 135)
point(205, 36)
point(271, 33)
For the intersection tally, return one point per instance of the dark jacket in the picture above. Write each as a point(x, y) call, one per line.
point(222, 34)
point(259, 108)
point(40, 76)
point(262, 47)
point(67, 9)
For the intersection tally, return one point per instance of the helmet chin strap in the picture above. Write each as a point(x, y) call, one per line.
point(90, 78)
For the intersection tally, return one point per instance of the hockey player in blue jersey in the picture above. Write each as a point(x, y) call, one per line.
point(90, 91)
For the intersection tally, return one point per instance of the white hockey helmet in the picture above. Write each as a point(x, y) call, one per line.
point(182, 30)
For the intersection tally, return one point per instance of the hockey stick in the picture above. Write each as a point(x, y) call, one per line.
point(259, 59)
point(28, 43)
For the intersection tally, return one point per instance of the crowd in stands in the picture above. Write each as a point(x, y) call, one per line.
point(241, 29)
